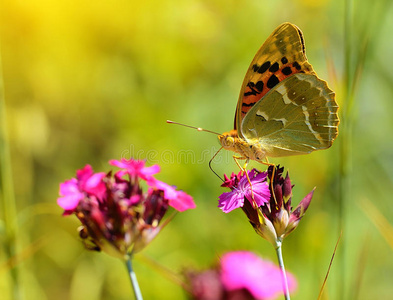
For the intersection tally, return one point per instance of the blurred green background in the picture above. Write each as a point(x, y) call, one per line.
point(86, 82)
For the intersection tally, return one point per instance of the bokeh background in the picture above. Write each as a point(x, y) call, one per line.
point(86, 82)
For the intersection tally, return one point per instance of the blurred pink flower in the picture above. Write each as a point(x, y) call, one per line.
point(241, 275)
point(260, 277)
point(117, 216)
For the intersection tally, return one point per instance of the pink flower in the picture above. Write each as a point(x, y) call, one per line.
point(270, 211)
point(260, 277)
point(179, 200)
point(117, 216)
point(135, 168)
point(241, 190)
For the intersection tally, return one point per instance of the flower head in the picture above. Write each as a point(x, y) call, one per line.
point(267, 205)
point(117, 216)
point(240, 275)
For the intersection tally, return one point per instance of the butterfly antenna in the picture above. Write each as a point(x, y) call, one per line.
point(193, 127)
point(201, 129)
point(210, 164)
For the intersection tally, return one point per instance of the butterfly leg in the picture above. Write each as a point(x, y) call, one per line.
point(238, 164)
point(273, 173)
point(244, 169)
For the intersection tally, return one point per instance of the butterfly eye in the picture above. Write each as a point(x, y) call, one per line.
point(260, 155)
point(230, 140)
point(227, 141)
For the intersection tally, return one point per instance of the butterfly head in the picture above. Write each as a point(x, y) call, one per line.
point(229, 139)
point(247, 149)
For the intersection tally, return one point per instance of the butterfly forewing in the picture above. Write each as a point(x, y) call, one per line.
point(282, 55)
point(297, 116)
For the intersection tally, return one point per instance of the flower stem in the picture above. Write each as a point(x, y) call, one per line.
point(283, 273)
point(134, 281)
point(7, 200)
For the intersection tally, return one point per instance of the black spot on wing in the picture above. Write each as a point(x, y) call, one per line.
point(251, 93)
point(264, 67)
point(286, 71)
point(296, 65)
point(248, 104)
point(284, 60)
point(255, 67)
point(259, 85)
point(274, 67)
point(272, 81)
point(253, 89)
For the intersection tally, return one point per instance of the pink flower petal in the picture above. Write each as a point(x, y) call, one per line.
point(169, 191)
point(94, 185)
point(126, 164)
point(70, 195)
point(179, 200)
point(149, 171)
point(230, 200)
point(136, 167)
point(83, 174)
point(95, 180)
point(261, 192)
point(69, 187)
point(182, 202)
point(69, 202)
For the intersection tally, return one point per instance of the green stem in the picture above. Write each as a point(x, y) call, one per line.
point(345, 143)
point(134, 281)
point(7, 196)
point(283, 273)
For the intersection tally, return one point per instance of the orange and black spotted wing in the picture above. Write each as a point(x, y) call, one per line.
point(282, 55)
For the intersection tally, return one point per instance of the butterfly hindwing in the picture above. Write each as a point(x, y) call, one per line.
point(282, 55)
point(297, 116)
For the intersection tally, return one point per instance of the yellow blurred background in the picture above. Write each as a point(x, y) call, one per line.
point(86, 82)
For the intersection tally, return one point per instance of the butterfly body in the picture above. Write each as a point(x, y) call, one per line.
point(283, 108)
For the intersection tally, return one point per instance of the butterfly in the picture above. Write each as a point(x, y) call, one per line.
point(283, 108)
